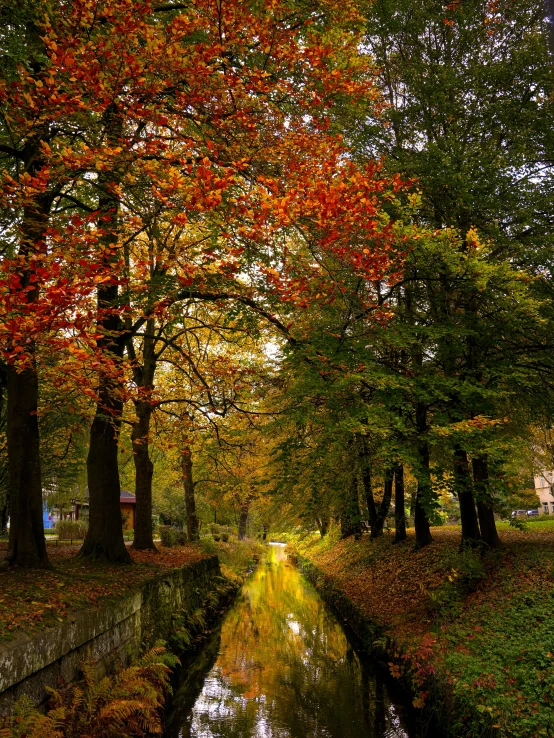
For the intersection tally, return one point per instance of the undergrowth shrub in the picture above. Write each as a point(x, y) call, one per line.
point(466, 574)
point(171, 536)
point(126, 704)
point(72, 529)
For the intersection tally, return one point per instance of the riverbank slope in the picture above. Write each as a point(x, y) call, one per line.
point(472, 636)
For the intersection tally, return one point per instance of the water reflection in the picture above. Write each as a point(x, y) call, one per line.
point(282, 667)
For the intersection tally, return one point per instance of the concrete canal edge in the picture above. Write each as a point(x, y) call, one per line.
point(116, 633)
point(439, 713)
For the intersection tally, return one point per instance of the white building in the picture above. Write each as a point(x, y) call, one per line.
point(544, 487)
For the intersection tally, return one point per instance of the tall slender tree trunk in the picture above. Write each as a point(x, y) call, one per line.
point(322, 524)
point(190, 502)
point(4, 517)
point(367, 484)
point(350, 519)
point(27, 547)
point(424, 496)
point(471, 536)
point(144, 472)
point(143, 375)
point(399, 504)
point(104, 540)
point(243, 519)
point(384, 507)
point(485, 510)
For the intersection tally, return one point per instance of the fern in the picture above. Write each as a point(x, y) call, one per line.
point(126, 704)
point(28, 722)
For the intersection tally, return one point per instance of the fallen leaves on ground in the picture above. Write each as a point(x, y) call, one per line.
point(31, 600)
point(482, 626)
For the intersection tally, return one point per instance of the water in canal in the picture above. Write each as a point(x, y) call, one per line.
point(281, 666)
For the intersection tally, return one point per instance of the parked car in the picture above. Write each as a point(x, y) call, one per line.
point(532, 513)
point(519, 513)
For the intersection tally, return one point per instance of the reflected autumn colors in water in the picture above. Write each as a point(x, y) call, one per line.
point(282, 667)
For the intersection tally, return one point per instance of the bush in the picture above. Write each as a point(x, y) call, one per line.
point(72, 529)
point(171, 536)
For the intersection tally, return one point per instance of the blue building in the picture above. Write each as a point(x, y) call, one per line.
point(47, 517)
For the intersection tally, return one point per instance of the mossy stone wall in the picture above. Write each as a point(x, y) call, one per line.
point(117, 631)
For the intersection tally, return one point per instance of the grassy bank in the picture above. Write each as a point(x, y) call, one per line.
point(472, 635)
point(31, 600)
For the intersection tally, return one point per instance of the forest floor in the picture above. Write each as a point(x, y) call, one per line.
point(32, 600)
point(475, 630)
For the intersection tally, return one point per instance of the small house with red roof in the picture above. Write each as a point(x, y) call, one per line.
point(127, 504)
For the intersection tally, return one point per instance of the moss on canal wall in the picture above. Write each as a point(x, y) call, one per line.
point(115, 632)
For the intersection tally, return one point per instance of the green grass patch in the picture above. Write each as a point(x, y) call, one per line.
point(237, 558)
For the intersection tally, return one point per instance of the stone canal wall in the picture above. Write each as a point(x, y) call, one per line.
point(116, 632)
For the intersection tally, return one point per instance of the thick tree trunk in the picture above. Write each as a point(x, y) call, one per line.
point(384, 507)
point(485, 510)
point(144, 471)
point(104, 540)
point(424, 495)
point(190, 502)
point(350, 520)
point(243, 519)
point(27, 546)
point(471, 535)
point(399, 505)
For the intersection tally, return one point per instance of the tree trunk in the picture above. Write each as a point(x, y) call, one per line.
point(399, 505)
point(144, 471)
point(424, 495)
point(243, 519)
point(471, 535)
point(190, 502)
point(367, 485)
point(4, 518)
point(144, 468)
point(384, 507)
point(485, 510)
point(322, 524)
point(104, 541)
point(27, 546)
point(350, 520)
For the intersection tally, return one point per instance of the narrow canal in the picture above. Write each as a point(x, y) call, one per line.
point(281, 666)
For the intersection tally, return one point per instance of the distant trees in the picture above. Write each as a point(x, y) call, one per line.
point(447, 382)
